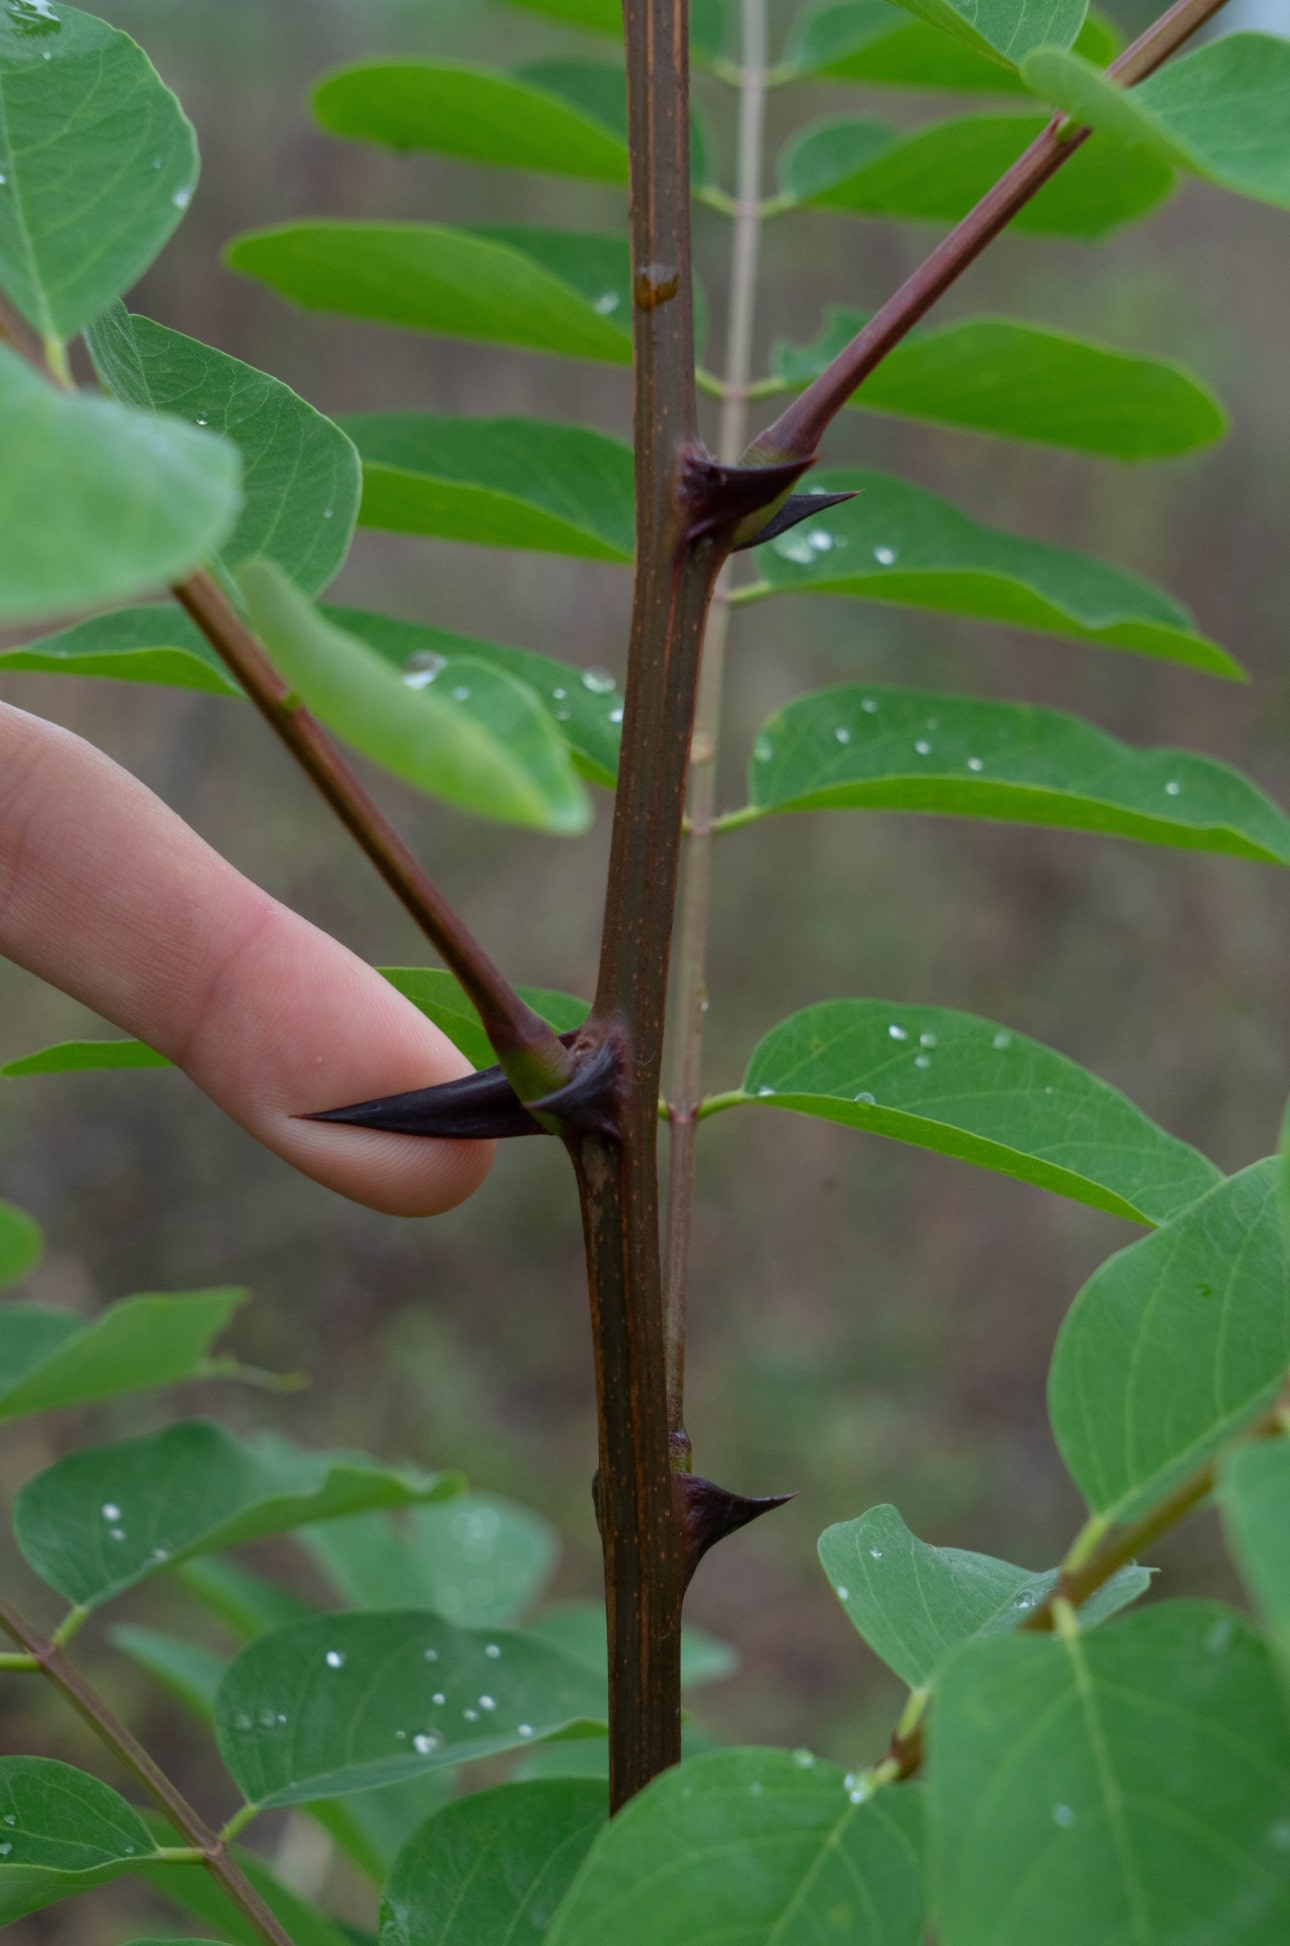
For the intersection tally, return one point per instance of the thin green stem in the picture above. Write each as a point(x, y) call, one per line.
point(179, 1855)
point(20, 1665)
point(691, 993)
point(714, 1104)
point(73, 1621)
point(244, 1815)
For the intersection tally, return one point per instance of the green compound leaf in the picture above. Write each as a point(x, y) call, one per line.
point(493, 1866)
point(868, 41)
point(301, 477)
point(97, 164)
point(1132, 1785)
point(478, 738)
point(755, 1847)
point(871, 747)
point(349, 1702)
point(1254, 1499)
point(476, 1561)
point(938, 173)
point(83, 1057)
point(1018, 381)
point(51, 1358)
point(539, 289)
point(708, 20)
point(514, 121)
point(103, 1519)
point(1219, 112)
point(64, 1833)
point(966, 1087)
point(141, 500)
point(155, 644)
point(585, 705)
point(898, 544)
point(21, 1248)
point(578, 1627)
point(1173, 1346)
point(517, 483)
point(914, 1604)
point(1004, 29)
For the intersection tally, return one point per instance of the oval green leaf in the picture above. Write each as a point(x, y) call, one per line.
point(753, 1846)
point(154, 644)
point(914, 1604)
point(538, 289)
point(21, 1248)
point(1021, 381)
point(871, 747)
point(518, 483)
point(966, 1087)
point(64, 1833)
point(441, 1000)
point(350, 1702)
point(867, 41)
point(938, 173)
point(492, 1866)
point(1005, 30)
point(476, 1561)
point(897, 543)
point(140, 500)
point(478, 738)
point(301, 478)
point(51, 1358)
point(1131, 1785)
point(1254, 1499)
point(105, 1518)
point(83, 1057)
point(1220, 111)
point(97, 164)
point(1172, 1346)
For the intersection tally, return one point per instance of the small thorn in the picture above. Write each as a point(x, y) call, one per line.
point(710, 1512)
point(797, 507)
point(720, 499)
point(588, 1105)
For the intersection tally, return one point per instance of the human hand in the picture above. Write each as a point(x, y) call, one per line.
point(107, 894)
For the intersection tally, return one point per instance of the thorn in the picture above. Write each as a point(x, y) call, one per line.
point(588, 1105)
point(709, 1513)
point(722, 498)
point(480, 1107)
point(797, 507)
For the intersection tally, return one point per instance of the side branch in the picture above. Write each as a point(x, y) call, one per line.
point(801, 426)
point(89, 1705)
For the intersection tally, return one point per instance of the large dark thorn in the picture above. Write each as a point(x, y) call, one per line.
point(480, 1107)
point(720, 498)
point(797, 507)
point(709, 1513)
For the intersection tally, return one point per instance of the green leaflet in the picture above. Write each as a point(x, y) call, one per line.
point(1219, 111)
point(105, 1518)
point(1173, 1346)
point(155, 644)
point(938, 173)
point(21, 1248)
point(966, 1087)
point(64, 1832)
point(866, 41)
point(1021, 381)
point(753, 1846)
point(301, 477)
point(141, 500)
point(1004, 29)
point(492, 1866)
point(349, 1702)
point(517, 483)
point(1131, 1785)
point(476, 1561)
point(578, 1627)
point(897, 543)
point(866, 746)
point(708, 20)
point(51, 1358)
point(539, 289)
point(1254, 1499)
point(82, 1057)
point(914, 1604)
point(97, 165)
point(479, 739)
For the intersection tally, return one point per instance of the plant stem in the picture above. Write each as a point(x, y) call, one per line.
point(801, 426)
point(691, 998)
point(531, 1053)
point(89, 1705)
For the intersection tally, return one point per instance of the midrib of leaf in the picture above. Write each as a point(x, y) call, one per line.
point(831, 1843)
point(1139, 1914)
point(24, 232)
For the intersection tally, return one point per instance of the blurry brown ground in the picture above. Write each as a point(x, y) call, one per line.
point(869, 1323)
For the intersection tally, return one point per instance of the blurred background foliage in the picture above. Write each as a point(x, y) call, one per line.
point(868, 1322)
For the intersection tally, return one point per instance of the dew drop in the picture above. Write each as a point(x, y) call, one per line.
point(3, 179)
point(329, 513)
point(607, 303)
point(471, 1716)
point(422, 667)
point(765, 1091)
point(865, 1096)
point(9, 1818)
point(842, 734)
point(922, 1060)
point(898, 1033)
point(560, 695)
point(110, 1510)
point(876, 1553)
point(561, 715)
point(6, 1848)
point(804, 1759)
point(616, 715)
point(202, 420)
point(161, 1553)
point(182, 198)
point(975, 763)
point(426, 1742)
point(1025, 1602)
point(868, 705)
point(525, 1729)
point(821, 541)
point(117, 1533)
point(927, 1040)
point(795, 546)
point(439, 1698)
point(487, 1703)
point(1001, 1040)
point(859, 1794)
point(754, 1790)
point(843, 1594)
point(461, 693)
point(432, 1655)
point(1279, 1834)
point(884, 556)
point(761, 750)
point(400, 1736)
point(334, 1659)
point(598, 681)
point(923, 747)
point(492, 1651)
point(1219, 1637)
point(1173, 787)
point(1063, 1815)
point(241, 1721)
